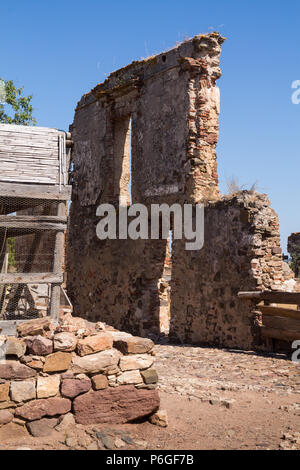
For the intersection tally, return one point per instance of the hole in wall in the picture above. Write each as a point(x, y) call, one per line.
point(164, 289)
point(122, 160)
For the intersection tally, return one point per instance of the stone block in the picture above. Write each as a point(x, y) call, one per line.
point(66, 342)
point(94, 344)
point(57, 362)
point(14, 370)
point(22, 391)
point(37, 409)
point(71, 388)
point(115, 405)
point(95, 363)
point(48, 386)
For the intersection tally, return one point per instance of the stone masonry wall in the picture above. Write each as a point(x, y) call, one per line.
point(168, 107)
point(241, 253)
point(54, 375)
point(294, 250)
point(160, 116)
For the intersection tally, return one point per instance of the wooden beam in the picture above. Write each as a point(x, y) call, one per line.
point(31, 278)
point(284, 335)
point(281, 323)
point(274, 297)
point(35, 191)
point(40, 222)
point(279, 312)
point(58, 265)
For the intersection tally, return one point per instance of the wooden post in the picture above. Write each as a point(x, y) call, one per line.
point(57, 266)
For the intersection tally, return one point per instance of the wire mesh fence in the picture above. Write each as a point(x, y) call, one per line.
point(26, 246)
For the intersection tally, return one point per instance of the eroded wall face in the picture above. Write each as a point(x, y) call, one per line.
point(148, 134)
point(159, 117)
point(241, 253)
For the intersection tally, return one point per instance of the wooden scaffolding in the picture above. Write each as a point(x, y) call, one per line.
point(34, 163)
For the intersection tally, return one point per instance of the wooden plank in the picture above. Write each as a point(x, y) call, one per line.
point(281, 323)
point(35, 191)
point(29, 129)
point(31, 278)
point(274, 297)
point(283, 335)
point(34, 218)
point(279, 312)
point(40, 222)
point(58, 265)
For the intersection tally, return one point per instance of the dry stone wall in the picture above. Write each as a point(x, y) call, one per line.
point(74, 372)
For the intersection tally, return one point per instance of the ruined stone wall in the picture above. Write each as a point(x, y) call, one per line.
point(241, 253)
point(167, 106)
point(294, 251)
point(53, 376)
point(160, 116)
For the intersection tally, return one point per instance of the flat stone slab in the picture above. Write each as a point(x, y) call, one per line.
point(115, 405)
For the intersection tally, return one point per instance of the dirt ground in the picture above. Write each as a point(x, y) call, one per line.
point(215, 399)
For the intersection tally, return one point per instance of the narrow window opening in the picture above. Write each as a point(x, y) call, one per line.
point(122, 159)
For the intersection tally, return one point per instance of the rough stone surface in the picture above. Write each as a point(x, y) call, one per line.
point(95, 363)
point(67, 422)
point(134, 345)
point(71, 388)
point(39, 345)
point(15, 347)
point(12, 431)
point(150, 376)
point(72, 324)
point(57, 362)
point(5, 417)
point(93, 344)
point(37, 409)
point(48, 386)
point(130, 377)
point(65, 342)
point(22, 391)
point(142, 361)
point(160, 418)
point(42, 427)
point(294, 251)
point(205, 374)
point(4, 391)
point(241, 232)
point(34, 327)
point(99, 382)
point(15, 370)
point(115, 405)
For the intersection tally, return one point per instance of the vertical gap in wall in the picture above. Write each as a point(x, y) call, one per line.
point(122, 159)
point(165, 288)
point(130, 162)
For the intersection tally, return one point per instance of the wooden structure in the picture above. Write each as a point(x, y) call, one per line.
point(280, 315)
point(34, 164)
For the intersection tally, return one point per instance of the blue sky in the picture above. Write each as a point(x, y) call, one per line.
point(61, 49)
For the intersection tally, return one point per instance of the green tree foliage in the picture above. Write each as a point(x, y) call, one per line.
point(20, 108)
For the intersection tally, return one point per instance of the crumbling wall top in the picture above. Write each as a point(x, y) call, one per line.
point(201, 46)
